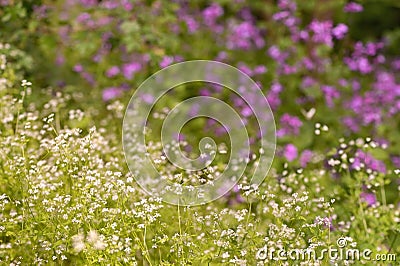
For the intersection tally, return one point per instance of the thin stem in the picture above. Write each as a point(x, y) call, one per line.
point(383, 193)
point(180, 229)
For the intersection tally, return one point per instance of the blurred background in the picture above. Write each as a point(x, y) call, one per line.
point(326, 62)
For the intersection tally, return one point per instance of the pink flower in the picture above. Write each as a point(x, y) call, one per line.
point(351, 123)
point(88, 77)
point(112, 71)
point(166, 61)
point(364, 66)
point(273, 95)
point(281, 15)
point(396, 64)
point(369, 198)
point(83, 17)
point(244, 36)
point(60, 60)
point(127, 5)
point(191, 24)
point(244, 68)
point(322, 32)
point(276, 54)
point(330, 94)
point(366, 159)
point(353, 7)
point(78, 68)
point(340, 31)
point(287, 4)
point(259, 70)
point(305, 157)
point(246, 111)
point(290, 125)
point(396, 161)
point(290, 152)
point(307, 82)
point(147, 98)
point(88, 3)
point(131, 68)
point(111, 93)
point(211, 13)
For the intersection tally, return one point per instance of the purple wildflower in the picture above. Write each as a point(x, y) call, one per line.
point(290, 152)
point(287, 4)
point(244, 68)
point(368, 161)
point(330, 94)
point(147, 98)
point(396, 161)
point(166, 61)
point(371, 48)
point(221, 56)
point(340, 31)
point(110, 4)
point(307, 82)
point(191, 24)
point(364, 66)
point(88, 77)
point(221, 130)
point(356, 85)
point(273, 95)
point(40, 11)
point(351, 123)
point(112, 71)
point(322, 32)
point(111, 93)
point(396, 64)
point(131, 68)
point(290, 125)
point(281, 15)
point(78, 68)
point(261, 69)
point(353, 7)
point(211, 13)
point(308, 63)
point(305, 158)
point(276, 54)
point(369, 198)
point(60, 60)
point(179, 137)
point(83, 18)
point(246, 111)
point(244, 36)
point(89, 3)
point(303, 35)
point(128, 6)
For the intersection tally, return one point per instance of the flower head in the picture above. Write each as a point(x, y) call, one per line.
point(353, 7)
